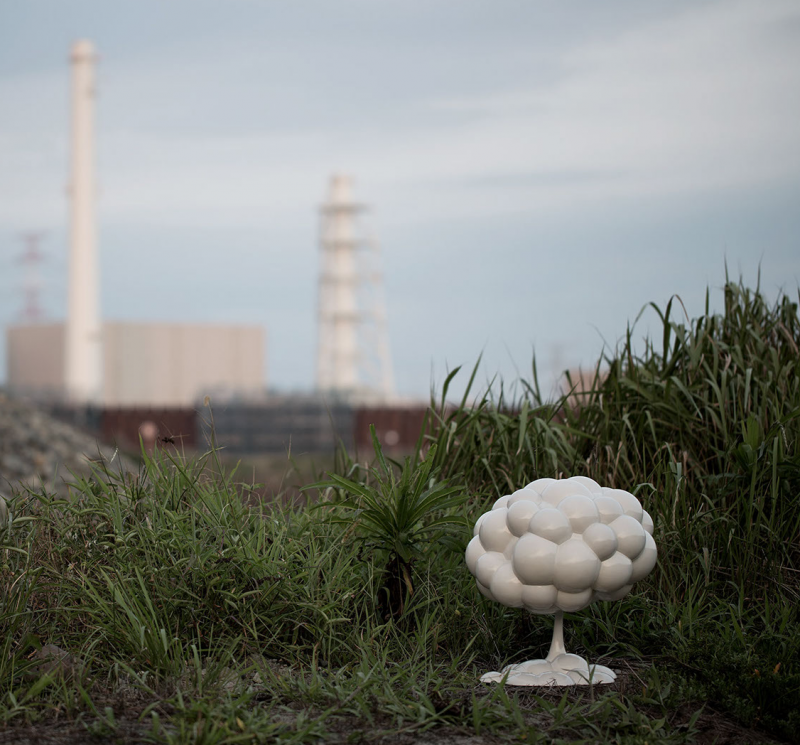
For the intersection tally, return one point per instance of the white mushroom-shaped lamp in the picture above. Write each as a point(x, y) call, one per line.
point(558, 545)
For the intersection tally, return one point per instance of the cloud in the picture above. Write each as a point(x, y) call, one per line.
point(518, 144)
point(702, 101)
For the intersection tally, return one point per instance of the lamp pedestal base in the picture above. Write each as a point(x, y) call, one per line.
point(564, 670)
point(559, 669)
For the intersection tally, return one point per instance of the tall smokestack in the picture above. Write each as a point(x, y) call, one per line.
point(337, 353)
point(352, 347)
point(83, 350)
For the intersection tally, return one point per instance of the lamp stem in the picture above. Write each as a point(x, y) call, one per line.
point(557, 645)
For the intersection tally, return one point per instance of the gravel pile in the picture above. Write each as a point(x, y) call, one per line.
point(37, 450)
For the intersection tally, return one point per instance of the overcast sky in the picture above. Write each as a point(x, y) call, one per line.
point(538, 171)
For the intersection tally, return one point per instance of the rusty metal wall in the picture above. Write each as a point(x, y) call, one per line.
point(397, 428)
point(306, 424)
point(123, 426)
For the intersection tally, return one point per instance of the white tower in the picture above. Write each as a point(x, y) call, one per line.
point(353, 351)
point(83, 350)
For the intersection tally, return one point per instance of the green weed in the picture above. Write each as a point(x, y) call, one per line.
point(202, 614)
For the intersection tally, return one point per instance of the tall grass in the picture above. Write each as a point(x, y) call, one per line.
point(704, 424)
point(221, 611)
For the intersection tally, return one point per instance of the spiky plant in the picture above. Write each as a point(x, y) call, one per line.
point(398, 510)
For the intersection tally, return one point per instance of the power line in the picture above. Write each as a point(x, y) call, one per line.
point(31, 258)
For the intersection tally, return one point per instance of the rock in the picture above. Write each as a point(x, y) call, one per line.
point(38, 451)
point(55, 661)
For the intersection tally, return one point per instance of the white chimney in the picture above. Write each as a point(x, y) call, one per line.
point(352, 348)
point(83, 348)
point(337, 353)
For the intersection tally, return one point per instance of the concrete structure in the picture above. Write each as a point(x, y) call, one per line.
point(144, 364)
point(83, 345)
point(352, 352)
point(35, 359)
point(161, 364)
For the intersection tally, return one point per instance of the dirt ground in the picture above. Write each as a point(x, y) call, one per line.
point(713, 727)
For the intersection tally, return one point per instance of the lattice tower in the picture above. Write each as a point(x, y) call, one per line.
point(30, 258)
point(353, 359)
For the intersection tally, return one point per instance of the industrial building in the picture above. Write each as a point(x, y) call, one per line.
point(126, 380)
point(155, 365)
point(86, 361)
